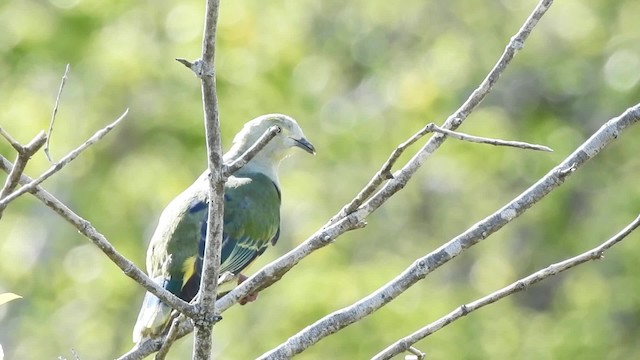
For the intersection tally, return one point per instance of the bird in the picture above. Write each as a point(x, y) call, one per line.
point(251, 220)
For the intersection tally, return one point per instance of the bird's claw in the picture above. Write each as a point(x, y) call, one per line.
point(249, 298)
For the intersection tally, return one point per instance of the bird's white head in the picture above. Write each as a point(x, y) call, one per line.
point(290, 137)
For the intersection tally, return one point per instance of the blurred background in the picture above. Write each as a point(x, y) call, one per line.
point(360, 77)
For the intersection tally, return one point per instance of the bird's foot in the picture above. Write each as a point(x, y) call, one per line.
point(249, 298)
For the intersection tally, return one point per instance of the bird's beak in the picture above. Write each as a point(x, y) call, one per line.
point(305, 145)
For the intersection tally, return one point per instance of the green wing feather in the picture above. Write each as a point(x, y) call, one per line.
point(251, 220)
point(174, 257)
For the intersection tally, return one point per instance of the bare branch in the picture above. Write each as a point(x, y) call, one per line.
point(15, 144)
point(211, 263)
point(596, 253)
point(85, 228)
point(238, 163)
point(55, 111)
point(457, 118)
point(64, 161)
point(483, 140)
point(198, 67)
point(204, 69)
point(423, 266)
point(24, 154)
point(378, 178)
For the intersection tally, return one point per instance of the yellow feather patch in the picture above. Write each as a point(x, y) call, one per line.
point(188, 267)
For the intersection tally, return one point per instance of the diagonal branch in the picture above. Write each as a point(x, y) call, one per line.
point(238, 163)
point(86, 229)
point(457, 118)
point(483, 140)
point(378, 178)
point(425, 265)
point(596, 253)
point(54, 113)
point(64, 161)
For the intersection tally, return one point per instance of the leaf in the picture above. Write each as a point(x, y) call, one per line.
point(6, 297)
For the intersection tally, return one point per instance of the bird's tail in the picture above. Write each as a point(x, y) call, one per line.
point(152, 318)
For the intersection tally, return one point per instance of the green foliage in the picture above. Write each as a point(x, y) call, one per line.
point(360, 77)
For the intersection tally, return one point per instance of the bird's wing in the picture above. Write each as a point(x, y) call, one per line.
point(251, 221)
point(176, 251)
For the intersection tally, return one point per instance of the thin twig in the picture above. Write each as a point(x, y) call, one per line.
point(88, 230)
point(378, 178)
point(484, 140)
point(185, 62)
point(520, 285)
point(423, 266)
point(385, 171)
point(241, 161)
point(55, 112)
point(64, 161)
